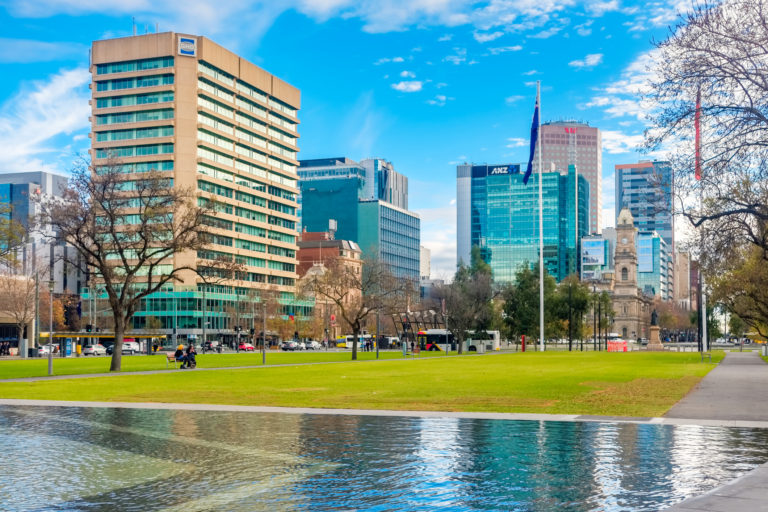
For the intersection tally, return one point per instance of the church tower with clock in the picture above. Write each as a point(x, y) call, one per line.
point(631, 307)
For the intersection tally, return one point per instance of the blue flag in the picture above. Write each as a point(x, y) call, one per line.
point(534, 138)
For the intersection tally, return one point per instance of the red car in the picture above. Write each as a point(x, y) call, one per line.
point(247, 347)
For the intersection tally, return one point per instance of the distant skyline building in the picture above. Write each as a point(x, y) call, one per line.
point(655, 266)
point(499, 214)
point(425, 262)
point(596, 256)
point(565, 143)
point(356, 195)
point(19, 190)
point(646, 189)
point(683, 284)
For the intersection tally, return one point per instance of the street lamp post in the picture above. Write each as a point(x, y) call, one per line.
point(264, 335)
point(594, 319)
point(51, 284)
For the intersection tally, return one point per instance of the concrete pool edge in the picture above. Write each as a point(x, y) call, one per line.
point(391, 413)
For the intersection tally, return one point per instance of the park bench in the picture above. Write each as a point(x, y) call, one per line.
point(170, 358)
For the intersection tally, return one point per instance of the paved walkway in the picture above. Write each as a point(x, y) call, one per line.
point(732, 392)
point(729, 392)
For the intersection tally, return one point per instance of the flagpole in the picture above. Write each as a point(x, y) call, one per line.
point(541, 224)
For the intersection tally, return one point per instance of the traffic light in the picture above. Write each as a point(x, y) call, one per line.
point(253, 331)
point(88, 328)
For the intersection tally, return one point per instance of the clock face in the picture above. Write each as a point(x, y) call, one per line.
point(623, 240)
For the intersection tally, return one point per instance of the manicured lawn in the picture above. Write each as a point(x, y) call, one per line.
point(38, 367)
point(623, 384)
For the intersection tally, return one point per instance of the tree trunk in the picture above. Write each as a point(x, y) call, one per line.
point(117, 354)
point(20, 329)
point(461, 346)
point(355, 333)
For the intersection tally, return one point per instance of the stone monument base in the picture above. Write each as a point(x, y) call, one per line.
point(654, 343)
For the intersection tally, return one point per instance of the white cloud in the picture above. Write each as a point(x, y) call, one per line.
point(27, 50)
point(439, 100)
point(583, 29)
point(41, 119)
point(408, 74)
point(440, 85)
point(458, 57)
point(511, 100)
point(408, 86)
point(546, 34)
point(504, 49)
point(600, 8)
point(446, 37)
point(531, 72)
point(385, 60)
point(362, 125)
point(516, 142)
point(481, 37)
point(591, 60)
point(438, 234)
point(616, 142)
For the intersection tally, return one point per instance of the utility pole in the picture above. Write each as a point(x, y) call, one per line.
point(264, 334)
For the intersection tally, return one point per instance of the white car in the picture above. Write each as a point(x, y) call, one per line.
point(302, 345)
point(131, 347)
point(95, 350)
point(313, 345)
point(44, 350)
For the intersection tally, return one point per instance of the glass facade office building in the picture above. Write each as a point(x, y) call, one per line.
point(646, 189)
point(356, 195)
point(499, 214)
point(655, 266)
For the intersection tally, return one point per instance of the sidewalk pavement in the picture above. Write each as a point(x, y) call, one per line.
point(731, 391)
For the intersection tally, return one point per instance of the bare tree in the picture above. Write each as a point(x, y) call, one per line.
point(127, 229)
point(18, 299)
point(357, 293)
point(720, 50)
point(12, 237)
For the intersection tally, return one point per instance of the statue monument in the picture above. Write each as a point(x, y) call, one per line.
point(654, 343)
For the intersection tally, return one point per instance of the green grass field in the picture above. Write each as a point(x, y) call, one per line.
point(622, 384)
point(38, 367)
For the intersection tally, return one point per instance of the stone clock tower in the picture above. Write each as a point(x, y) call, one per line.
point(632, 308)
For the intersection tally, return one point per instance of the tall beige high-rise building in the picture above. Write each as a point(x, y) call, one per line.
point(216, 123)
point(571, 142)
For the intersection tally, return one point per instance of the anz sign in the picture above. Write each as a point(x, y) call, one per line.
point(495, 170)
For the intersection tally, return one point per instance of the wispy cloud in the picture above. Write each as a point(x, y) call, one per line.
point(590, 61)
point(446, 37)
point(27, 50)
point(511, 100)
point(516, 142)
point(407, 74)
point(385, 60)
point(623, 97)
point(459, 56)
point(408, 86)
point(438, 234)
point(504, 49)
point(41, 119)
point(616, 142)
point(584, 29)
point(530, 73)
point(439, 101)
point(362, 125)
point(484, 37)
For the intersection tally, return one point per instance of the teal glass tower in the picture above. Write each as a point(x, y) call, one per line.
point(369, 202)
point(499, 214)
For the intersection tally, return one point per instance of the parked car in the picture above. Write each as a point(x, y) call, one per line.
point(95, 350)
point(247, 347)
point(211, 345)
point(302, 345)
point(131, 347)
point(44, 350)
point(313, 345)
point(289, 345)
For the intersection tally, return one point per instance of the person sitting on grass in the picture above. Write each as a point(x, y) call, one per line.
point(179, 355)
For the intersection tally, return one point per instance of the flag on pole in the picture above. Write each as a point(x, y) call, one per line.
point(697, 123)
point(534, 137)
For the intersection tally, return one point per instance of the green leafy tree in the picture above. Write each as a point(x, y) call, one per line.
point(571, 302)
point(521, 303)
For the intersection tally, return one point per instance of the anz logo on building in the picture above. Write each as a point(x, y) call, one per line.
point(503, 169)
point(187, 46)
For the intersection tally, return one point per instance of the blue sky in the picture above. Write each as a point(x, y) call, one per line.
point(425, 84)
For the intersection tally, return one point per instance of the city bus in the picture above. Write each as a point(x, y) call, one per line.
point(436, 339)
point(346, 341)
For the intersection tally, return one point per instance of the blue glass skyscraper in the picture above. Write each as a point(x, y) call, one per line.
point(499, 214)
